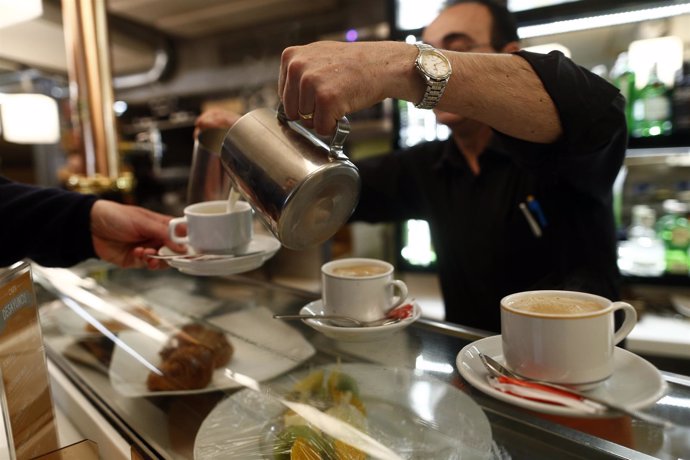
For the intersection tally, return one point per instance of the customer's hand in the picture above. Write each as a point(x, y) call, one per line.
point(323, 81)
point(215, 118)
point(126, 235)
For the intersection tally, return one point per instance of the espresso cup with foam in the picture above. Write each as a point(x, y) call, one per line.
point(361, 288)
point(562, 337)
point(213, 229)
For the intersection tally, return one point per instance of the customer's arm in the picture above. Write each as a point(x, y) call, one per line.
point(126, 235)
point(48, 225)
point(59, 228)
point(332, 79)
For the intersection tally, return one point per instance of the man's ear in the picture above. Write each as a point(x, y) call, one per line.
point(511, 47)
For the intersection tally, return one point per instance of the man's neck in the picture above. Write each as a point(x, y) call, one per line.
point(473, 145)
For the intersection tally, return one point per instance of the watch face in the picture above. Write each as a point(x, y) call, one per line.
point(435, 65)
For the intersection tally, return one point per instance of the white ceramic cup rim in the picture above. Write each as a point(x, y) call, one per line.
point(607, 304)
point(328, 267)
point(193, 209)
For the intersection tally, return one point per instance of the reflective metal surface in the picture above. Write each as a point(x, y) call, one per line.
point(166, 427)
point(302, 189)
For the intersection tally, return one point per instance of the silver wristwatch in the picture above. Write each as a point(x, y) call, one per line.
point(435, 69)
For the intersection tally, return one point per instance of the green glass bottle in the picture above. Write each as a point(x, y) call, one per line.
point(651, 111)
point(674, 230)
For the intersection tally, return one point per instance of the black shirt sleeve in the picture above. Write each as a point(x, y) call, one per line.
point(591, 150)
point(49, 225)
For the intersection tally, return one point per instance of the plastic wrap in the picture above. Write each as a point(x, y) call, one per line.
point(347, 411)
point(282, 399)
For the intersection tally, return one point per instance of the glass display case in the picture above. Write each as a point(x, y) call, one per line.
point(115, 333)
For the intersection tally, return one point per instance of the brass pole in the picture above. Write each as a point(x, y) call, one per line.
point(91, 90)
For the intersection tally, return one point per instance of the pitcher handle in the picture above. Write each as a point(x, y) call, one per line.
point(342, 130)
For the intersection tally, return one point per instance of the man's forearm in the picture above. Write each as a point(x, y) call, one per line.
point(503, 91)
point(331, 79)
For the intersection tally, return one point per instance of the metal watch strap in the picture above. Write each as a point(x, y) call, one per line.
point(432, 94)
point(434, 88)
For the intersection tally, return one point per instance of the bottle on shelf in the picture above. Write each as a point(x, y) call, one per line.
point(623, 78)
point(681, 100)
point(643, 253)
point(651, 112)
point(674, 230)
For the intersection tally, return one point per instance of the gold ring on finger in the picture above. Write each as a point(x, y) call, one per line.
point(305, 116)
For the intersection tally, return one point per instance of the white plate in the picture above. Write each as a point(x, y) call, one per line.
point(355, 334)
point(263, 348)
point(263, 246)
point(413, 414)
point(635, 382)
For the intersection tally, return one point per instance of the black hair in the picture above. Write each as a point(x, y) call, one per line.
point(504, 26)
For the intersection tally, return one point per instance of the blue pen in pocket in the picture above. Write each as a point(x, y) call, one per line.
point(535, 207)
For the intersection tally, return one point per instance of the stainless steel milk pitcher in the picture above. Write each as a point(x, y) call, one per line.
point(303, 189)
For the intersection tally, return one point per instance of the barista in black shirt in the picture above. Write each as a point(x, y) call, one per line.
point(485, 244)
point(509, 149)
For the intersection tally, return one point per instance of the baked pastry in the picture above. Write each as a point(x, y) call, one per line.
point(185, 368)
point(100, 347)
point(114, 325)
point(199, 335)
point(189, 359)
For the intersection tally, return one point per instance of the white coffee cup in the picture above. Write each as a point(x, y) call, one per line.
point(562, 337)
point(213, 229)
point(360, 288)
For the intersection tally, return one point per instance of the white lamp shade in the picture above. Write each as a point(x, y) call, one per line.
point(29, 119)
point(16, 11)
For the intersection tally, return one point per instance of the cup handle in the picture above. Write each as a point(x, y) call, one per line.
point(172, 226)
point(628, 323)
point(335, 149)
point(402, 292)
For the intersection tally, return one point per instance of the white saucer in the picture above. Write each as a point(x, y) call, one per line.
point(635, 382)
point(355, 334)
point(263, 248)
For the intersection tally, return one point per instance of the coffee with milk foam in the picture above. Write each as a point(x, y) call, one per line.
point(361, 270)
point(556, 305)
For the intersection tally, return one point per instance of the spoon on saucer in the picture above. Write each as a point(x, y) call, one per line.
point(497, 369)
point(392, 316)
point(343, 321)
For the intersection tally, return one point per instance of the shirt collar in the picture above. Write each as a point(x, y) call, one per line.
point(452, 157)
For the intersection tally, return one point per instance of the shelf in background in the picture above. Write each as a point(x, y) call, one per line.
point(663, 280)
point(660, 142)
